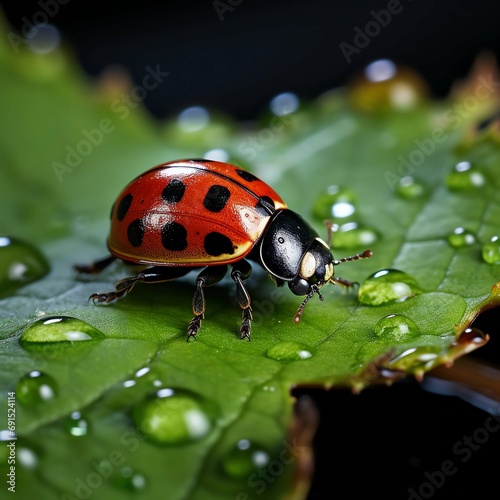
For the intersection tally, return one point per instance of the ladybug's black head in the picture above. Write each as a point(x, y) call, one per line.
point(316, 269)
point(292, 252)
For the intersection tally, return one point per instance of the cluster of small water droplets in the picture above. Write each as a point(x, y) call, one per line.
point(61, 329)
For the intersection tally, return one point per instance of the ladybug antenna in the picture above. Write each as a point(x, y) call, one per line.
point(363, 255)
point(300, 310)
point(330, 229)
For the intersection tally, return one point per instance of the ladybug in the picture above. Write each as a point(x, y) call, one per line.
point(192, 214)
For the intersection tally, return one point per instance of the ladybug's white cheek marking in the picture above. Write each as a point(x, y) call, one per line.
point(307, 266)
point(328, 272)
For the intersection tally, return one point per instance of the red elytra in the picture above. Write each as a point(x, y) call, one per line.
point(187, 213)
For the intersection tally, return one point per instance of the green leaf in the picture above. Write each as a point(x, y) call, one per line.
point(118, 390)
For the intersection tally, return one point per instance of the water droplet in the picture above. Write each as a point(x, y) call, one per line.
point(289, 351)
point(20, 264)
point(335, 202)
point(491, 251)
point(27, 458)
point(461, 237)
point(174, 417)
point(217, 155)
point(268, 388)
point(396, 327)
point(409, 188)
point(193, 119)
point(472, 336)
point(6, 435)
point(284, 104)
point(43, 38)
point(416, 359)
point(130, 480)
point(142, 371)
point(76, 425)
point(383, 85)
point(244, 459)
point(465, 175)
point(352, 235)
point(387, 285)
point(59, 329)
point(380, 70)
point(36, 387)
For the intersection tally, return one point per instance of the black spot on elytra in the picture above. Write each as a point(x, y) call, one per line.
point(216, 244)
point(246, 175)
point(265, 205)
point(123, 206)
point(216, 198)
point(174, 236)
point(135, 232)
point(174, 191)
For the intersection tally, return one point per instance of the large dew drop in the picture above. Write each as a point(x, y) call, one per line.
point(396, 327)
point(388, 285)
point(174, 417)
point(59, 329)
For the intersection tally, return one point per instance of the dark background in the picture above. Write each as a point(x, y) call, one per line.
point(261, 48)
point(380, 443)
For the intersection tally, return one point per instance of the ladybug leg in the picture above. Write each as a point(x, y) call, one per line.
point(95, 267)
point(156, 274)
point(241, 272)
point(208, 277)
